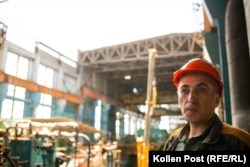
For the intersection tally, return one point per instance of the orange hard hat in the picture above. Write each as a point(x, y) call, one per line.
point(199, 65)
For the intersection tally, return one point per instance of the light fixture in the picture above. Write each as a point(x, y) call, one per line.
point(135, 91)
point(127, 77)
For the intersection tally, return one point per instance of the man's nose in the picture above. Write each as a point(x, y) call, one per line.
point(191, 96)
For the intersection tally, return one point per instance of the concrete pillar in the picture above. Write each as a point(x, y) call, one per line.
point(69, 111)
point(59, 107)
point(30, 108)
point(3, 93)
point(122, 124)
point(89, 111)
point(59, 103)
point(3, 57)
point(238, 64)
point(3, 54)
point(105, 116)
point(111, 121)
point(35, 68)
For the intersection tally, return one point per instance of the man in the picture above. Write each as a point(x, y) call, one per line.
point(199, 89)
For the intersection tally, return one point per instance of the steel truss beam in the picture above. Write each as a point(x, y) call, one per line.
point(136, 54)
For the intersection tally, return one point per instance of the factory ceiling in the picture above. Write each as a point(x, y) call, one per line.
point(115, 62)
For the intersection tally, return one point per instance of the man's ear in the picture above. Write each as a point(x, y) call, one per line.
point(217, 100)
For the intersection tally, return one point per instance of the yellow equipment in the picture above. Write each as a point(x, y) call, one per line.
point(143, 142)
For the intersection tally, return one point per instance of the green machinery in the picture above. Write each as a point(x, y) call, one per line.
point(34, 144)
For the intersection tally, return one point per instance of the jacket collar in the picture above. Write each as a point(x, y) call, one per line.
point(211, 133)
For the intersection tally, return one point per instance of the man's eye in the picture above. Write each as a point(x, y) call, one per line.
point(201, 90)
point(184, 91)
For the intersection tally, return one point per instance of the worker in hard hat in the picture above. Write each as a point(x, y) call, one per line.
point(199, 90)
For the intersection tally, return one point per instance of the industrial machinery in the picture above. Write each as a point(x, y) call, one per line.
point(54, 142)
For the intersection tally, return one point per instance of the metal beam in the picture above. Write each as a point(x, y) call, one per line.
point(167, 46)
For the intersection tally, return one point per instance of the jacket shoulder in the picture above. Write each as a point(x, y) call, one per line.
point(171, 138)
point(176, 132)
point(236, 132)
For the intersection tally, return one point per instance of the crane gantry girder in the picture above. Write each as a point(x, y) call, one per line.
point(180, 44)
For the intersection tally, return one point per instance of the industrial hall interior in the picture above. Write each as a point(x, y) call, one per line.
point(96, 110)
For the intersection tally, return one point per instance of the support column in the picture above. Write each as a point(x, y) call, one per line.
point(247, 14)
point(3, 54)
point(217, 11)
point(122, 124)
point(238, 64)
point(111, 122)
point(89, 112)
point(105, 116)
point(30, 108)
point(3, 57)
point(34, 97)
point(3, 93)
point(60, 104)
point(69, 110)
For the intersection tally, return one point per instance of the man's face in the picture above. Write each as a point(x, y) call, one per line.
point(197, 98)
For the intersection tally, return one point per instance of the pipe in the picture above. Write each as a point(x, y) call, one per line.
point(238, 63)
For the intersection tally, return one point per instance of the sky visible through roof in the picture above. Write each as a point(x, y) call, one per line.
point(69, 25)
